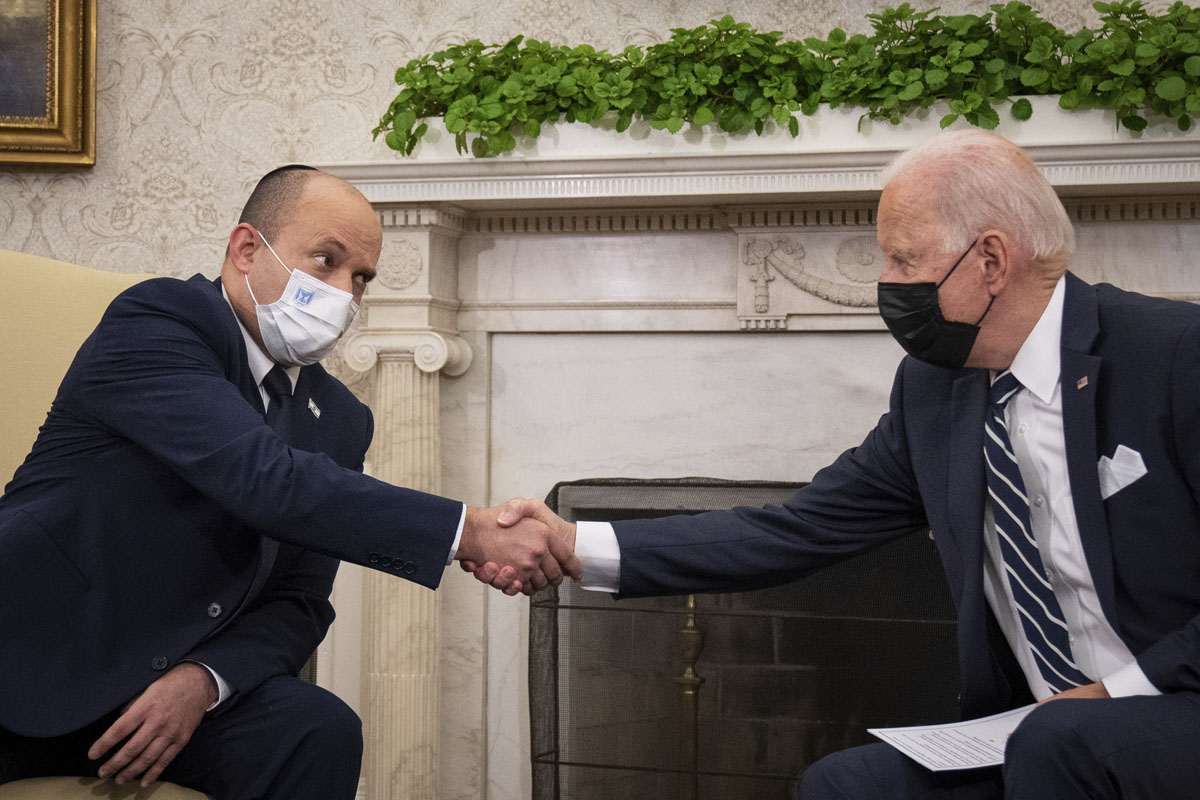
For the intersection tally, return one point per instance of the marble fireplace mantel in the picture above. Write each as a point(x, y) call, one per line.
point(833, 158)
point(588, 241)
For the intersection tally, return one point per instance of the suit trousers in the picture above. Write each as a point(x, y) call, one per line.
point(1128, 748)
point(286, 740)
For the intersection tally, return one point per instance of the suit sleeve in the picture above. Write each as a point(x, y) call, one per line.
point(867, 497)
point(278, 633)
point(157, 377)
point(1172, 663)
point(281, 629)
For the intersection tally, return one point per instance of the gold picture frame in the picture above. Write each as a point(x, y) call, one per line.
point(48, 97)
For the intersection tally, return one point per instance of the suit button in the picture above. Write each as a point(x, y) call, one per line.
point(214, 610)
point(385, 561)
point(159, 663)
point(373, 558)
point(409, 568)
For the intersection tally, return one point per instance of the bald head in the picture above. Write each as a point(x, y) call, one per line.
point(275, 197)
point(979, 181)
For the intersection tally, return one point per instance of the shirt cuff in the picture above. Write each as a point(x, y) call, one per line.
point(600, 554)
point(224, 690)
point(462, 519)
point(1129, 680)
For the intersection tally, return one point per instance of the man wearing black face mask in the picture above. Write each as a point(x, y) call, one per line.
point(1048, 431)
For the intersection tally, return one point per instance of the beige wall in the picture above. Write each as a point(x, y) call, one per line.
point(198, 98)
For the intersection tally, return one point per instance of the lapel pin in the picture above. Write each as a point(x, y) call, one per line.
point(316, 412)
point(1082, 382)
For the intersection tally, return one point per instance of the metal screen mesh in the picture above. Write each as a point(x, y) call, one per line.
point(790, 673)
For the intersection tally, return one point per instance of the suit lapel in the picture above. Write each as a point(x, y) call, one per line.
point(965, 484)
point(965, 479)
point(1080, 382)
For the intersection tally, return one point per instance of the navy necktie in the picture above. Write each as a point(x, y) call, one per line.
point(281, 409)
point(280, 416)
point(1041, 616)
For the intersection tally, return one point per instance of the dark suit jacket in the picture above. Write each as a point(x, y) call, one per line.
point(130, 536)
point(1130, 375)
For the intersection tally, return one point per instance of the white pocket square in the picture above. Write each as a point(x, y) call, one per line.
point(1125, 467)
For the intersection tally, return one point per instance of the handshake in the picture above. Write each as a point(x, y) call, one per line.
point(518, 546)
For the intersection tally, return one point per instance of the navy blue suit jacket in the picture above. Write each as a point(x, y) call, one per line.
point(1130, 376)
point(130, 536)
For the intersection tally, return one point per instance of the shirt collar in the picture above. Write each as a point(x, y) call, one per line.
point(1037, 363)
point(260, 363)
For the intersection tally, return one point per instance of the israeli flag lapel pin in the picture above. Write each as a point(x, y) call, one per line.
point(316, 411)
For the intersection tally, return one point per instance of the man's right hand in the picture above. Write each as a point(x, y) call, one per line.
point(513, 542)
point(516, 512)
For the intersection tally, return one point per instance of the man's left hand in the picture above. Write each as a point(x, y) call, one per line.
point(1092, 691)
point(158, 724)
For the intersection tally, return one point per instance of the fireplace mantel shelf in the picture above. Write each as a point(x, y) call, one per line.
point(1082, 154)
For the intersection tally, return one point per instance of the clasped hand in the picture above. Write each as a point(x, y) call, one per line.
point(518, 546)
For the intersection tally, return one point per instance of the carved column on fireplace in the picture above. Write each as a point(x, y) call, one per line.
point(408, 338)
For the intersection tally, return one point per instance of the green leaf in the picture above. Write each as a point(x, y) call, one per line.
point(533, 128)
point(1125, 68)
point(794, 127)
point(1192, 66)
point(1184, 122)
point(948, 120)
point(1146, 52)
point(702, 116)
point(1171, 89)
point(394, 140)
point(985, 117)
point(912, 91)
point(1034, 76)
point(1134, 122)
point(1022, 109)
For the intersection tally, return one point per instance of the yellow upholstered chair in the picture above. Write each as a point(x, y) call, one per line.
point(50, 308)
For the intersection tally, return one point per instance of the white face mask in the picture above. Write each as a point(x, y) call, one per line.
point(305, 323)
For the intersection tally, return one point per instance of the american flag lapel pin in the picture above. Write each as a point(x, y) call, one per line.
point(1079, 384)
point(316, 411)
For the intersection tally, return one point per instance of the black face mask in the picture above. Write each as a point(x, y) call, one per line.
point(913, 315)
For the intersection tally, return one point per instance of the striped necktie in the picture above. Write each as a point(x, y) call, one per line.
point(1041, 617)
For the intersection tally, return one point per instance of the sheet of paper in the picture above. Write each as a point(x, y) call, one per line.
point(956, 745)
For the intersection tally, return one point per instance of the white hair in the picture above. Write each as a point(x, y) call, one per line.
point(980, 181)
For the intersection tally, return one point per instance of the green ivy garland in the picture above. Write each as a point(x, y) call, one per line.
point(1135, 63)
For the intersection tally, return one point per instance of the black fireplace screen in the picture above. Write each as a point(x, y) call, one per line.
point(729, 695)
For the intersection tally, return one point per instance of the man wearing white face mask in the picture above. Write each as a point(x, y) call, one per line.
point(168, 547)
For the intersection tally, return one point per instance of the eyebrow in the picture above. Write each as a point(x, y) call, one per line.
point(336, 244)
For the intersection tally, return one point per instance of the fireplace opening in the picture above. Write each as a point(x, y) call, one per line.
point(729, 695)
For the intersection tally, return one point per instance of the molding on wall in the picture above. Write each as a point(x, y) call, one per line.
point(539, 221)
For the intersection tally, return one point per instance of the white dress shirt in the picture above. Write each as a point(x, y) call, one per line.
point(1035, 426)
point(1034, 418)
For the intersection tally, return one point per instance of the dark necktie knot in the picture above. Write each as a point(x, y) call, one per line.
point(280, 407)
point(277, 384)
point(1003, 388)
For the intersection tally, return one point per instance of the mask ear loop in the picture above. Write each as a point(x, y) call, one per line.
point(277, 258)
point(948, 274)
point(985, 311)
point(939, 285)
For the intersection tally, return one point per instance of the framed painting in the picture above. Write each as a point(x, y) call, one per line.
point(48, 82)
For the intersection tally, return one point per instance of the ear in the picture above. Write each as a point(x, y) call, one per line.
point(995, 251)
point(243, 245)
